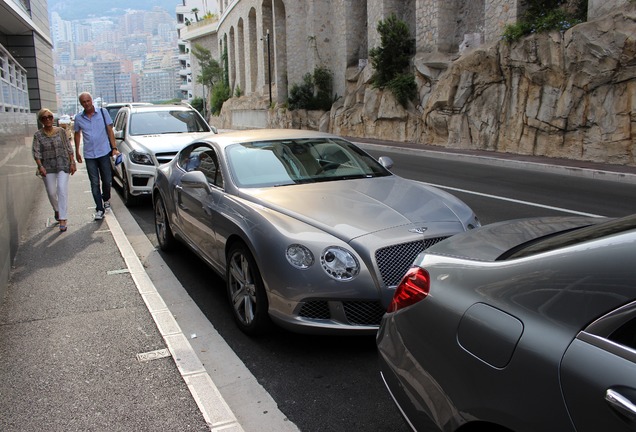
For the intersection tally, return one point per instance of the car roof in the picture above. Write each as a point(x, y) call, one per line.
point(154, 108)
point(123, 104)
point(255, 135)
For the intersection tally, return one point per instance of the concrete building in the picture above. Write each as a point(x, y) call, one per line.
point(157, 85)
point(28, 84)
point(188, 13)
point(112, 84)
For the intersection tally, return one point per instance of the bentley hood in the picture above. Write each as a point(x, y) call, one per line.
point(352, 208)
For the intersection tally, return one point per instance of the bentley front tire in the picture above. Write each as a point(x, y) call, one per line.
point(246, 291)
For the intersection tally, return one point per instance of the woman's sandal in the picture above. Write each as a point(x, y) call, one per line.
point(63, 227)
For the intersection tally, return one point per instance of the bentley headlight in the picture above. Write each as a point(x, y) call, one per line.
point(140, 158)
point(299, 256)
point(339, 263)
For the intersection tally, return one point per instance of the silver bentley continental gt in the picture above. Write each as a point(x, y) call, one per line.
point(308, 230)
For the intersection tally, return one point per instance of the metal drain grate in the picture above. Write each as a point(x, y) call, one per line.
point(153, 355)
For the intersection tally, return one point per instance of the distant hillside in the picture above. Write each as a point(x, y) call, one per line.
point(81, 9)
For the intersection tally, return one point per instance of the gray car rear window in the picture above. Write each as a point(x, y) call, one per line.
point(576, 236)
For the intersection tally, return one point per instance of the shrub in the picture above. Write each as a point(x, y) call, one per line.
point(392, 59)
point(404, 88)
point(314, 93)
point(546, 15)
point(220, 93)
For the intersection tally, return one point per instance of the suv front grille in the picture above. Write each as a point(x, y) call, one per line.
point(394, 261)
point(166, 157)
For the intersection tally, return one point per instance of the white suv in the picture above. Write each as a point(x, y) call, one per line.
point(149, 136)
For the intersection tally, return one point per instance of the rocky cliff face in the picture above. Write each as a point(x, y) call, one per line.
point(569, 95)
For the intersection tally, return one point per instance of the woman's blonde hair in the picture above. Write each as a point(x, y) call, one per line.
point(44, 111)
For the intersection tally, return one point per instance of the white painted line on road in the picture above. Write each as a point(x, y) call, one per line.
point(528, 203)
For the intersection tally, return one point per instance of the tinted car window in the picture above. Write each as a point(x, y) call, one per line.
point(209, 166)
point(113, 111)
point(120, 121)
point(626, 334)
point(606, 229)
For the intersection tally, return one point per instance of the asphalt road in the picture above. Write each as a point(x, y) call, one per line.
point(332, 383)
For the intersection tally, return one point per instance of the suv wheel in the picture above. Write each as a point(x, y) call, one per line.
point(128, 198)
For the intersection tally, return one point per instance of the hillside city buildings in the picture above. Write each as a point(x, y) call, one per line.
point(129, 58)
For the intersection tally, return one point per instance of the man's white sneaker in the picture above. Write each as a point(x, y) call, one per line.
point(106, 205)
point(99, 215)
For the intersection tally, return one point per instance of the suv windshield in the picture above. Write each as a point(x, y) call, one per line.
point(165, 122)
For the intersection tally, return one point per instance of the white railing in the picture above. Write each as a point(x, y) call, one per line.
point(14, 94)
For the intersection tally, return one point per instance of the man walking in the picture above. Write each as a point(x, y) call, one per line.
point(95, 127)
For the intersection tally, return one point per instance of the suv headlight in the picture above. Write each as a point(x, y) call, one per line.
point(140, 158)
point(339, 263)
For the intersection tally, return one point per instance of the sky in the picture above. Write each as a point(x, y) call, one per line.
point(81, 9)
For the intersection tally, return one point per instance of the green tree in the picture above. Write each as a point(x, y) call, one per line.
point(314, 93)
point(220, 93)
point(211, 72)
point(392, 59)
point(393, 56)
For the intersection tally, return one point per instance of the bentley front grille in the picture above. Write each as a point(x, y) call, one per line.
point(317, 309)
point(394, 261)
point(364, 313)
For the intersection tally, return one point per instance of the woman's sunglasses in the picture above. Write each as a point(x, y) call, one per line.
point(48, 117)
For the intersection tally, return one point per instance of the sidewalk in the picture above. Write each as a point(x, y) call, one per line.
point(87, 343)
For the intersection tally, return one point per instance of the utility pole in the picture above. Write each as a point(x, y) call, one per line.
point(269, 69)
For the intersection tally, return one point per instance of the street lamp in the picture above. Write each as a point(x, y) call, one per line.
point(115, 86)
point(269, 70)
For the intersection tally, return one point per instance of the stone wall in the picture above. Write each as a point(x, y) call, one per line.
point(570, 95)
point(561, 94)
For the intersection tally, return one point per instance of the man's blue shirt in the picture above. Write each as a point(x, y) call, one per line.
point(96, 142)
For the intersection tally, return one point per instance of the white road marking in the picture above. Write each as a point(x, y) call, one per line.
point(528, 203)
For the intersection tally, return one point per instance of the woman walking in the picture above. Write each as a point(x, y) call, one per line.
point(53, 155)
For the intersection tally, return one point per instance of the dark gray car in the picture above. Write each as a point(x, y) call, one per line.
point(527, 325)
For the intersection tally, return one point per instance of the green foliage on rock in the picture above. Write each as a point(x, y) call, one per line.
point(392, 59)
point(547, 15)
point(314, 93)
point(220, 93)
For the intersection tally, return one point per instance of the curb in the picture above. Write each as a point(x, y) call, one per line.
point(215, 410)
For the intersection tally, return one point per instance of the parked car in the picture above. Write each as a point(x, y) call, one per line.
point(149, 136)
point(113, 108)
point(306, 228)
point(526, 325)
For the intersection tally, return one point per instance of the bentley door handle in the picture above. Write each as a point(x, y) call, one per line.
point(620, 403)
